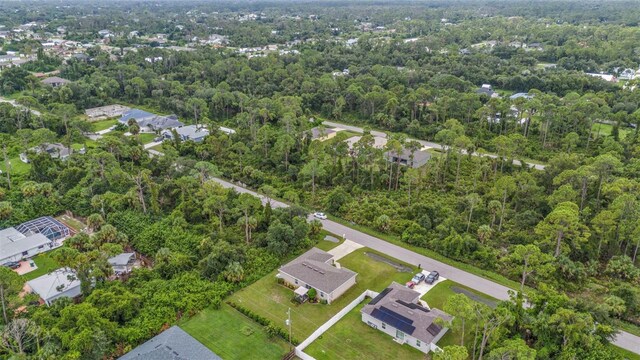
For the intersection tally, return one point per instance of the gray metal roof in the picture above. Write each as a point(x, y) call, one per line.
point(172, 344)
point(56, 282)
point(13, 242)
point(121, 259)
point(313, 269)
point(399, 306)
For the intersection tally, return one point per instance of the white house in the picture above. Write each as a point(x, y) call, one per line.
point(31, 238)
point(57, 284)
point(397, 312)
point(122, 263)
point(14, 246)
point(314, 269)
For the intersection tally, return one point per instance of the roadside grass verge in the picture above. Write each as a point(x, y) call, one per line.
point(432, 254)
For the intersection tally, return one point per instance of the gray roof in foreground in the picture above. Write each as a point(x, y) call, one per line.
point(313, 269)
point(172, 344)
point(398, 306)
point(56, 282)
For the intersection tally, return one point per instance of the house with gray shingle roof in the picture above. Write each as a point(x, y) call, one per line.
point(315, 269)
point(150, 122)
point(195, 133)
point(172, 344)
point(55, 81)
point(398, 311)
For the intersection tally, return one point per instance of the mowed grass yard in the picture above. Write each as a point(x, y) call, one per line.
point(271, 300)
point(437, 298)
point(45, 264)
point(17, 166)
point(232, 335)
point(599, 130)
point(103, 124)
point(350, 338)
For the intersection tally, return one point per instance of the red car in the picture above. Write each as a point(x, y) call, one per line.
point(410, 284)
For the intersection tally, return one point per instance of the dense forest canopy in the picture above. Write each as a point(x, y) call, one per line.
point(558, 191)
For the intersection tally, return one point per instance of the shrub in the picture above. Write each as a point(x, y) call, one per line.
point(312, 293)
point(270, 328)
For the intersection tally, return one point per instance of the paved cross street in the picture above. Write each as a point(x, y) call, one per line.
point(423, 142)
point(624, 339)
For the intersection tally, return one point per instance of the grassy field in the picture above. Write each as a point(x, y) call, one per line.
point(71, 222)
point(606, 129)
point(17, 166)
point(437, 298)
point(625, 353)
point(146, 138)
point(350, 338)
point(232, 335)
point(103, 124)
point(271, 300)
point(45, 263)
point(432, 254)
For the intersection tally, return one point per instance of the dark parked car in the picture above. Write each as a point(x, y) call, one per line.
point(432, 277)
point(417, 278)
point(12, 264)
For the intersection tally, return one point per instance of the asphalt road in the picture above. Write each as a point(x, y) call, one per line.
point(15, 104)
point(423, 142)
point(624, 339)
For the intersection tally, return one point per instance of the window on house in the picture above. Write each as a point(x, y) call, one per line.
point(384, 326)
point(418, 343)
point(41, 246)
point(321, 294)
point(296, 281)
point(25, 253)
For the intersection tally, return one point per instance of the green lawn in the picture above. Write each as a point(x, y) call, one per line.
point(271, 300)
point(146, 138)
point(626, 354)
point(17, 166)
point(232, 335)
point(327, 245)
point(599, 130)
point(45, 263)
point(71, 222)
point(437, 298)
point(103, 124)
point(350, 338)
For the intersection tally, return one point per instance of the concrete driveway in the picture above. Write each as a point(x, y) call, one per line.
point(344, 249)
point(423, 287)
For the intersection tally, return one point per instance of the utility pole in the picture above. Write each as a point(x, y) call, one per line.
point(288, 323)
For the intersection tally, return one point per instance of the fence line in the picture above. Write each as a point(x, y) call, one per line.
point(334, 319)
